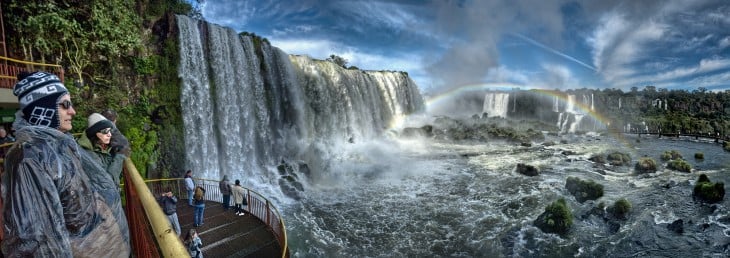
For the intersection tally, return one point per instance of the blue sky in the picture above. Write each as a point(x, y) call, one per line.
point(547, 44)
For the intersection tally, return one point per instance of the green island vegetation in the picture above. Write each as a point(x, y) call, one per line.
point(699, 155)
point(557, 218)
point(123, 55)
point(671, 155)
point(620, 209)
point(645, 165)
point(679, 165)
point(583, 190)
point(618, 158)
point(707, 191)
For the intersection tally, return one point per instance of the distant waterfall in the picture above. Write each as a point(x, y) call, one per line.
point(243, 112)
point(556, 104)
point(496, 104)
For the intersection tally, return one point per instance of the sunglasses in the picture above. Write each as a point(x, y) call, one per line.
point(66, 104)
point(105, 131)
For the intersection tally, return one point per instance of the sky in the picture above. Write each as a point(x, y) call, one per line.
point(543, 44)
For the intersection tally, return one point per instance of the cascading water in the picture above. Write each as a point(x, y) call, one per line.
point(244, 112)
point(496, 104)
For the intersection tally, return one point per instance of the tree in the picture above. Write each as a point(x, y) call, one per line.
point(338, 60)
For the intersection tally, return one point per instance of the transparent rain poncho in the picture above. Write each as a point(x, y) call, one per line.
point(50, 208)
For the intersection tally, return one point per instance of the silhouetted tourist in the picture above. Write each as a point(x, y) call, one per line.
point(50, 208)
point(168, 202)
point(225, 188)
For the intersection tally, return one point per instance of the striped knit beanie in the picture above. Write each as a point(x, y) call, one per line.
point(38, 95)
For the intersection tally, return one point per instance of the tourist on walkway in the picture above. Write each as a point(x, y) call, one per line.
point(225, 188)
point(168, 202)
point(103, 164)
point(193, 242)
point(239, 195)
point(50, 207)
point(190, 186)
point(199, 204)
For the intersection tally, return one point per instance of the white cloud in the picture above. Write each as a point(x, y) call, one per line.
point(725, 42)
point(704, 66)
point(721, 79)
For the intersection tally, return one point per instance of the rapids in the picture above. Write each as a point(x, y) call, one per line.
point(425, 198)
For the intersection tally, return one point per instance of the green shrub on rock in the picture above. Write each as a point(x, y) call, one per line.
point(645, 165)
point(680, 165)
point(619, 159)
point(671, 155)
point(707, 191)
point(699, 155)
point(557, 218)
point(620, 209)
point(726, 145)
point(583, 190)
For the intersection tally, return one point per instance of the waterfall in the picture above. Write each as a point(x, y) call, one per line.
point(496, 104)
point(556, 104)
point(246, 105)
point(619, 103)
point(592, 107)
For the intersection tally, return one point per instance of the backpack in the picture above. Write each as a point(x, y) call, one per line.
point(198, 196)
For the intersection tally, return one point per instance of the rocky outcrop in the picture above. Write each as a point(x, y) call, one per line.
point(583, 190)
point(618, 159)
point(679, 165)
point(528, 170)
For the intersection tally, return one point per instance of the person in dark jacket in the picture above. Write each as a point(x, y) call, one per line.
point(168, 202)
point(103, 163)
point(225, 187)
point(50, 208)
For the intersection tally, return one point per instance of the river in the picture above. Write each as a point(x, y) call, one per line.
point(429, 198)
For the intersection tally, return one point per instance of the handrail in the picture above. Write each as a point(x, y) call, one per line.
point(258, 205)
point(168, 241)
point(9, 72)
point(28, 62)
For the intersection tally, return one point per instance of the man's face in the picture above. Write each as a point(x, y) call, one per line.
point(65, 115)
point(3, 133)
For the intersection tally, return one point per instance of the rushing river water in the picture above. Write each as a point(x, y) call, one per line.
point(427, 198)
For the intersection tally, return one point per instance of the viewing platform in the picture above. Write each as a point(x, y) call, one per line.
point(225, 234)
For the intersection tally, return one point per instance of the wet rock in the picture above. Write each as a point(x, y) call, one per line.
point(583, 190)
point(677, 226)
point(598, 158)
point(526, 144)
point(618, 158)
point(569, 152)
point(528, 170)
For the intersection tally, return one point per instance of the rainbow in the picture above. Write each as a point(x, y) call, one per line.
point(445, 98)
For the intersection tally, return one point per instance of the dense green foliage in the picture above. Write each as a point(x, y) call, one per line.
point(583, 190)
point(557, 218)
point(707, 191)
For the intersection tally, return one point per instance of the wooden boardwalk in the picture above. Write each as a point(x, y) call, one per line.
point(226, 235)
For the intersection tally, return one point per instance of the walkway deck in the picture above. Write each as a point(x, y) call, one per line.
point(226, 235)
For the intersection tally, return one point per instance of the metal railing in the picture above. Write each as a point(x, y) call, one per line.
point(10, 68)
point(258, 205)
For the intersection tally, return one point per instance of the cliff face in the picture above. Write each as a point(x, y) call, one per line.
point(247, 105)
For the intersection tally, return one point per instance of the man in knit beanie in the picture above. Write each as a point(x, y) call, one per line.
point(39, 95)
point(50, 206)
